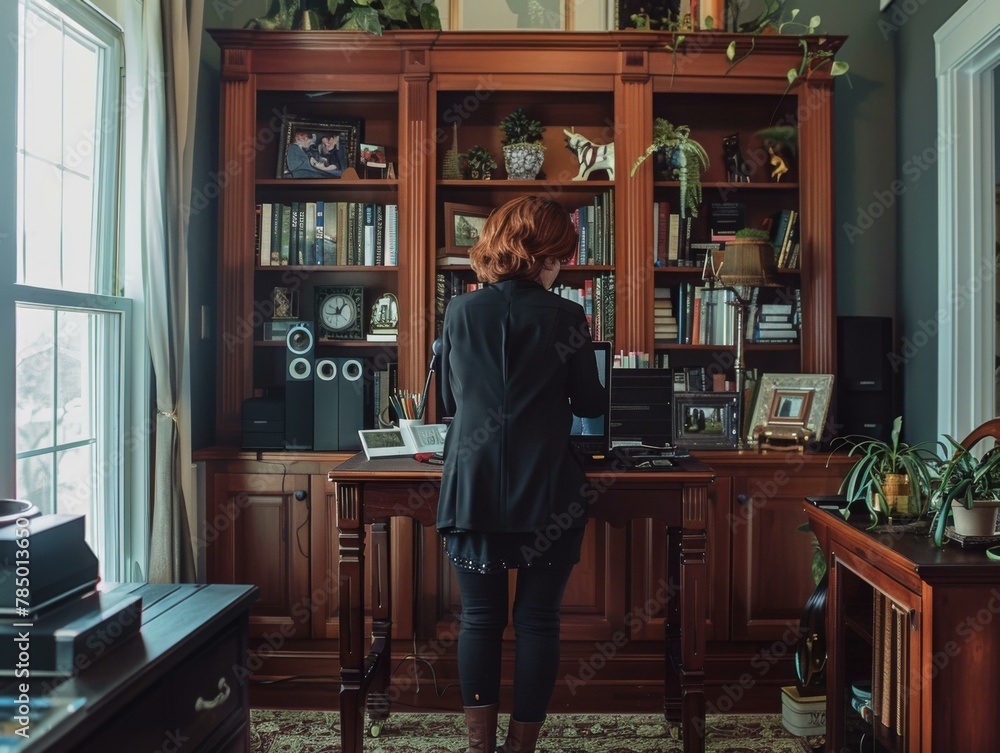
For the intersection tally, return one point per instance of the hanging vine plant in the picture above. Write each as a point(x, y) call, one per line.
point(686, 160)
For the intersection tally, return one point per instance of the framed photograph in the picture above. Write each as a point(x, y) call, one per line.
point(792, 400)
point(372, 162)
point(705, 419)
point(642, 14)
point(549, 15)
point(319, 149)
point(462, 225)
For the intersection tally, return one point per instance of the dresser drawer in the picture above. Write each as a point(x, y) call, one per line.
point(206, 690)
point(141, 726)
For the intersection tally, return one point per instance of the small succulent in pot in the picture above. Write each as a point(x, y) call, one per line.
point(478, 163)
point(523, 150)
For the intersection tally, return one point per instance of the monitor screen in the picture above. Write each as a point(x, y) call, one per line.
point(592, 435)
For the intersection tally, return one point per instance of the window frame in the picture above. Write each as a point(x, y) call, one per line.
point(125, 518)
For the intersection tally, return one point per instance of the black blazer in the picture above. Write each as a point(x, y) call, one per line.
point(513, 357)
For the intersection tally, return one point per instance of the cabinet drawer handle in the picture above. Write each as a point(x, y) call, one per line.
point(202, 705)
point(742, 498)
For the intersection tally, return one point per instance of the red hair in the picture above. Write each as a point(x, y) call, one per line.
point(520, 236)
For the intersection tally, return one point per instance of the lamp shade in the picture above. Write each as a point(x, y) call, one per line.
point(748, 262)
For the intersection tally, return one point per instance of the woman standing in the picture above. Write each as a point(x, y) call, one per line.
point(517, 363)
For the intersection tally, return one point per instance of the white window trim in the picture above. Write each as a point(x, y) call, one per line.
point(132, 520)
point(967, 52)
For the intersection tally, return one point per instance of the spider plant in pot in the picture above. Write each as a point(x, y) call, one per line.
point(967, 489)
point(523, 151)
point(893, 477)
point(685, 160)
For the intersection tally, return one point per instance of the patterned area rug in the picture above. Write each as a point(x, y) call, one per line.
point(319, 732)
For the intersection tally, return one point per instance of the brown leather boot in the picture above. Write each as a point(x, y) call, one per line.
point(481, 722)
point(521, 737)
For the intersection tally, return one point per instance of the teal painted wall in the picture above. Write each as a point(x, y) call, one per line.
point(892, 71)
point(916, 151)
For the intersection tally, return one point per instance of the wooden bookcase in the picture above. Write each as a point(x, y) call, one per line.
point(410, 88)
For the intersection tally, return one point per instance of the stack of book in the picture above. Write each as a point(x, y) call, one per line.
point(776, 323)
point(664, 319)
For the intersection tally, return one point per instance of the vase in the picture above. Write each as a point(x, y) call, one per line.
point(981, 520)
point(898, 496)
point(523, 161)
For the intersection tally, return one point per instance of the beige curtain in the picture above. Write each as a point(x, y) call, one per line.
point(172, 43)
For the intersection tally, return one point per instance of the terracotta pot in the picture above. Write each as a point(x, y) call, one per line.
point(981, 520)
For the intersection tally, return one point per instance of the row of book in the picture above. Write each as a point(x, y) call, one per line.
point(327, 233)
point(672, 246)
point(595, 225)
point(707, 316)
point(447, 285)
point(597, 296)
point(785, 238)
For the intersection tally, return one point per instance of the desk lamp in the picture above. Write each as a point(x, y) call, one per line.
point(745, 263)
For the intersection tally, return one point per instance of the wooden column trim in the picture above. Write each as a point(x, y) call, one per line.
point(234, 365)
point(416, 178)
point(817, 231)
point(634, 235)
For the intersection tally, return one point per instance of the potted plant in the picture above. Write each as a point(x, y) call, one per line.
point(478, 163)
point(967, 489)
point(523, 151)
point(684, 159)
point(894, 478)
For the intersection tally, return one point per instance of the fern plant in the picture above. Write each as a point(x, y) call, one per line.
point(687, 161)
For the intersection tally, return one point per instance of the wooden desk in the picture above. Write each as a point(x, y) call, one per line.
point(179, 684)
point(375, 491)
point(920, 622)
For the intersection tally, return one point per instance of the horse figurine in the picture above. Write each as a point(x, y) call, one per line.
point(590, 155)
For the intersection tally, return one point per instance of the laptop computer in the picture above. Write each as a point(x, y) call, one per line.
point(592, 436)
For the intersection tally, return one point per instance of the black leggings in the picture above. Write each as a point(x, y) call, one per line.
point(537, 598)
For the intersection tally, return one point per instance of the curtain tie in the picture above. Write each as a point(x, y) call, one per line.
point(172, 415)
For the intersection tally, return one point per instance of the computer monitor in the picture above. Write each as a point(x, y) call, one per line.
point(592, 436)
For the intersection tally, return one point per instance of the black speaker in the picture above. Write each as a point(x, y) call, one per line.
point(353, 406)
point(864, 344)
point(326, 415)
point(866, 384)
point(299, 375)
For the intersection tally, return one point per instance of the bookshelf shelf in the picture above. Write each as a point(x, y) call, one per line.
point(328, 343)
point(526, 186)
point(348, 268)
point(311, 185)
point(721, 184)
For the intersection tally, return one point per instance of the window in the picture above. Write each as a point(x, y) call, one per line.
point(72, 317)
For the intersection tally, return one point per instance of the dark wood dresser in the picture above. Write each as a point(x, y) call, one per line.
point(916, 625)
point(180, 684)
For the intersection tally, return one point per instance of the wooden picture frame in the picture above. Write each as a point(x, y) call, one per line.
point(790, 407)
point(705, 420)
point(653, 12)
point(769, 397)
point(318, 149)
point(462, 225)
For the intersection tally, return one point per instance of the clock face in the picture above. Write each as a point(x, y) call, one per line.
point(338, 311)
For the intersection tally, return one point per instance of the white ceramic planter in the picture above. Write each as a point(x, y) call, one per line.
point(981, 520)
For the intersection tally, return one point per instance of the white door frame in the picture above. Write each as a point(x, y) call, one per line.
point(967, 50)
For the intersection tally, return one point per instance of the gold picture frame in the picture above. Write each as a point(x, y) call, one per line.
point(776, 390)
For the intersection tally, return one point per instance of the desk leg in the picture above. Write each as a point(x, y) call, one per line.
point(350, 525)
point(694, 618)
point(381, 650)
point(672, 630)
